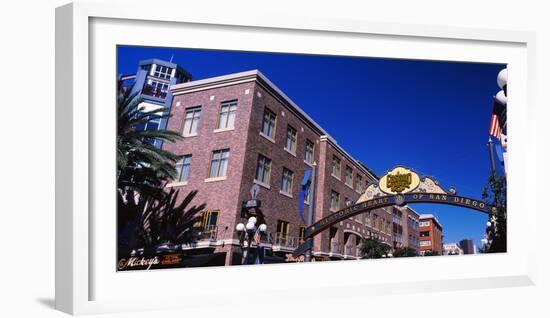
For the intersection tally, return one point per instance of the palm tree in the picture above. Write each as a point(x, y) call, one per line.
point(151, 222)
point(141, 167)
point(147, 214)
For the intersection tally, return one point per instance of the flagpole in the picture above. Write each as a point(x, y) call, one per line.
point(491, 145)
point(310, 208)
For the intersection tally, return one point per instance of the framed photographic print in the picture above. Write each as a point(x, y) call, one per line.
point(312, 155)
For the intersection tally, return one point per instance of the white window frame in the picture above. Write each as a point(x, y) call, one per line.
point(164, 72)
point(223, 159)
point(284, 182)
point(231, 110)
point(270, 134)
point(195, 120)
point(291, 140)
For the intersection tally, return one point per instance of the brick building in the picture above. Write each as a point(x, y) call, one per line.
point(240, 129)
point(405, 232)
point(431, 234)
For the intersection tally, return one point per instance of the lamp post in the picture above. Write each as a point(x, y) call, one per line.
point(489, 233)
point(250, 234)
point(309, 254)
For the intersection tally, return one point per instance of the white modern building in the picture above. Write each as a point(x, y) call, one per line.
point(452, 249)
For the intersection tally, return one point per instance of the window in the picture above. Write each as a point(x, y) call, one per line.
point(290, 143)
point(183, 167)
point(268, 124)
point(151, 124)
point(349, 176)
point(336, 167)
point(309, 152)
point(424, 233)
point(424, 223)
point(227, 115)
point(425, 243)
point(164, 72)
point(263, 170)
point(191, 121)
point(302, 233)
point(359, 183)
point(334, 200)
point(209, 220)
point(218, 164)
point(286, 185)
point(158, 86)
point(282, 228)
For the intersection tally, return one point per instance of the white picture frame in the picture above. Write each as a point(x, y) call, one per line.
point(83, 287)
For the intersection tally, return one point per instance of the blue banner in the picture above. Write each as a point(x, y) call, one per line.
point(306, 184)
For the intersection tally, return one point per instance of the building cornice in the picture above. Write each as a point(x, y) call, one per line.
point(431, 217)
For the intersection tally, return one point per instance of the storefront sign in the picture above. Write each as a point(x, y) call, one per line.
point(153, 262)
point(289, 258)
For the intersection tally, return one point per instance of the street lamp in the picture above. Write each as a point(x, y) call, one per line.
point(452, 190)
point(250, 234)
point(489, 233)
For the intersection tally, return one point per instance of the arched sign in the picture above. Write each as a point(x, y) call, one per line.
point(399, 199)
point(395, 188)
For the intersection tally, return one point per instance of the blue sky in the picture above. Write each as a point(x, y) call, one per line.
point(430, 116)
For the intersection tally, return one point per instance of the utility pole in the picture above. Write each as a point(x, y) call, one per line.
point(311, 208)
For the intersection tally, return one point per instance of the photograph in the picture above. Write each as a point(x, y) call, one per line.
point(229, 157)
point(285, 159)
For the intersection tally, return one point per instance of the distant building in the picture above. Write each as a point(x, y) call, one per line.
point(467, 246)
point(431, 234)
point(405, 232)
point(452, 249)
point(412, 231)
point(151, 84)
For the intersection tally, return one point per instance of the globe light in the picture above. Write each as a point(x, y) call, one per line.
point(501, 98)
point(263, 227)
point(452, 190)
point(502, 78)
point(488, 223)
point(240, 227)
point(250, 226)
point(252, 219)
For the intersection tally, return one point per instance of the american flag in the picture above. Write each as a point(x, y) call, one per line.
point(498, 120)
point(257, 237)
point(494, 129)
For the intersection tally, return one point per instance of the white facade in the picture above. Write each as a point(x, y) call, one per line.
point(452, 249)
